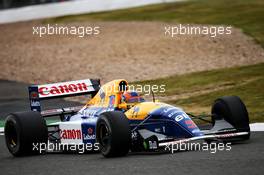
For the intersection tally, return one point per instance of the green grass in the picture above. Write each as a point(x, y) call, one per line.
point(245, 14)
point(192, 82)
point(246, 82)
point(251, 93)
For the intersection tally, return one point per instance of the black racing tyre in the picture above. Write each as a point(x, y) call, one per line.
point(233, 110)
point(113, 134)
point(22, 129)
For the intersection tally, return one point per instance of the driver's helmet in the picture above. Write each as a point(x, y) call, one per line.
point(131, 98)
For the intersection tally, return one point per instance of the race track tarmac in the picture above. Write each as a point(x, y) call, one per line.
point(246, 158)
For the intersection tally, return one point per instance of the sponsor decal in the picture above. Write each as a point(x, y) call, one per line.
point(34, 98)
point(167, 109)
point(35, 103)
point(94, 111)
point(71, 134)
point(72, 87)
point(171, 114)
point(190, 124)
point(153, 144)
point(89, 112)
point(89, 137)
point(63, 89)
point(88, 133)
point(180, 117)
point(33, 95)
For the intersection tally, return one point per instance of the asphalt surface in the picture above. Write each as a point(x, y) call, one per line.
point(244, 158)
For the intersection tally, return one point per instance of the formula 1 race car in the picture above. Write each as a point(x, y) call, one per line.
point(116, 121)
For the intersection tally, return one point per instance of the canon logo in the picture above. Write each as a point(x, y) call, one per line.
point(71, 134)
point(61, 89)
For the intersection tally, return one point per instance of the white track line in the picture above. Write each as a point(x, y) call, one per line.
point(253, 127)
point(257, 126)
point(1, 131)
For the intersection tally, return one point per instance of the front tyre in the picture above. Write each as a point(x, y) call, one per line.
point(113, 134)
point(22, 130)
point(233, 110)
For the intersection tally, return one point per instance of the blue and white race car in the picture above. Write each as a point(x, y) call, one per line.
point(116, 121)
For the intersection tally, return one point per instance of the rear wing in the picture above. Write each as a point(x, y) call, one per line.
point(59, 90)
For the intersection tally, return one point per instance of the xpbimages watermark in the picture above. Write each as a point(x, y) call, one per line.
point(60, 147)
point(79, 31)
point(187, 29)
point(145, 89)
point(196, 146)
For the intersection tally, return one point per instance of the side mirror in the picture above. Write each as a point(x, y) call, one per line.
point(122, 106)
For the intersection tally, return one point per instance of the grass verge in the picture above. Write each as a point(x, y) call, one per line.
point(196, 92)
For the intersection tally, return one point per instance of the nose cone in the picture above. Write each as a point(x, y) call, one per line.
point(180, 124)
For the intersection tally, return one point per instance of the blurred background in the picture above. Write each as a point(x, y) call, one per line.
point(6, 4)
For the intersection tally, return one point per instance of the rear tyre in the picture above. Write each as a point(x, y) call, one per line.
point(233, 110)
point(22, 130)
point(113, 134)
